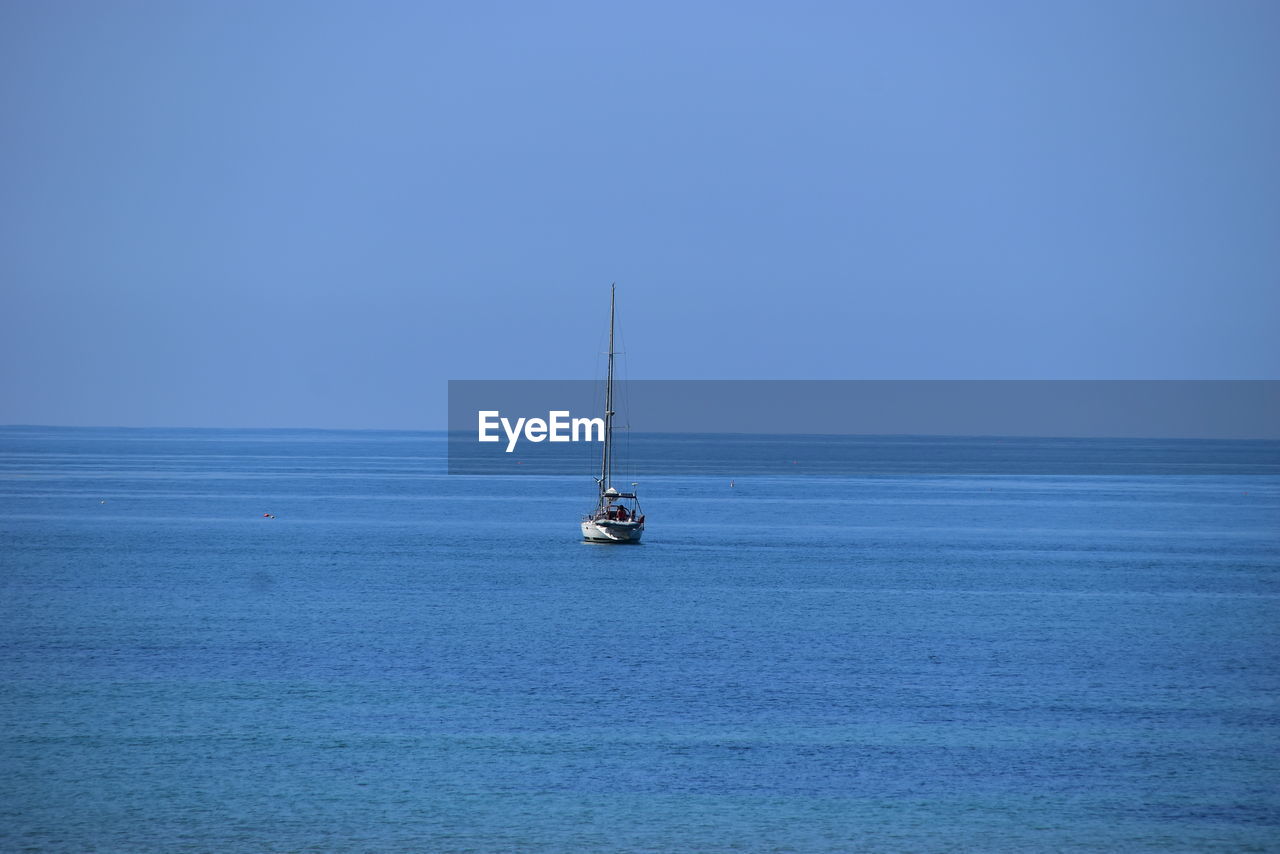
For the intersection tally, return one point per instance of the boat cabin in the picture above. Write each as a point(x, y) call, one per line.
point(613, 507)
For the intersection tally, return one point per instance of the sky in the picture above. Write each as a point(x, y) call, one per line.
point(315, 214)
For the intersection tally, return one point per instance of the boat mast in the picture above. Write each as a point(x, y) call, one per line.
point(606, 474)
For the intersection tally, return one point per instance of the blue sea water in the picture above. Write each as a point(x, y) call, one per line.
point(404, 660)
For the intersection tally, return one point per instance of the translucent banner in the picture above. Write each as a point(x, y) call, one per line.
point(727, 427)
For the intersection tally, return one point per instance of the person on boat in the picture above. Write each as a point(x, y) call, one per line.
point(622, 513)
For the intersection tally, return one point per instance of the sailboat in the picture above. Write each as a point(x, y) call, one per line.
point(617, 517)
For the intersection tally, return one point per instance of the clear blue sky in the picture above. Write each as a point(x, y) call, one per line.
point(315, 213)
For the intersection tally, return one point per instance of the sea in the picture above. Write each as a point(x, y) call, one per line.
point(322, 641)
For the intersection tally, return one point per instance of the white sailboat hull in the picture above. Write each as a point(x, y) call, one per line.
point(596, 531)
